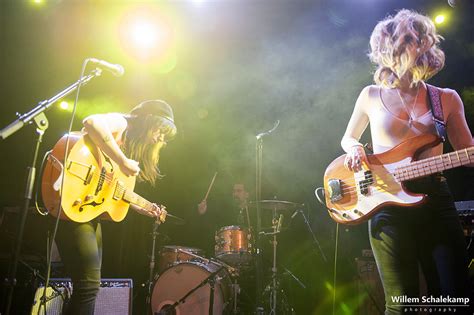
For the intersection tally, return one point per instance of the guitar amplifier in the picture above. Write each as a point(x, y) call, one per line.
point(114, 297)
point(466, 215)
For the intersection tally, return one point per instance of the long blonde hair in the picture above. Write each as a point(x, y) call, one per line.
point(388, 48)
point(143, 121)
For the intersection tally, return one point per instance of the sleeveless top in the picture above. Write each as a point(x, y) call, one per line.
point(388, 130)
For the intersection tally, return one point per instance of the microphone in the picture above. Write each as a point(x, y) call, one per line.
point(116, 69)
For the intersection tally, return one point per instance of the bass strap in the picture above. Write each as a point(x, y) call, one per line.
point(437, 111)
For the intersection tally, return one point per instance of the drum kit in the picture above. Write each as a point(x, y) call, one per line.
point(186, 282)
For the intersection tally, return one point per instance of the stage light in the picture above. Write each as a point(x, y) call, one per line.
point(64, 105)
point(145, 34)
point(440, 18)
point(37, 2)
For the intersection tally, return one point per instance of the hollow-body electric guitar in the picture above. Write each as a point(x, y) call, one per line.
point(353, 197)
point(93, 184)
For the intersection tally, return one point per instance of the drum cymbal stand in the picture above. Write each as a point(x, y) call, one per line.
point(274, 284)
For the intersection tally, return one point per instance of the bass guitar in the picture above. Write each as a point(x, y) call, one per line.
point(93, 185)
point(353, 197)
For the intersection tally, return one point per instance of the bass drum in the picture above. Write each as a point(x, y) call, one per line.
point(177, 281)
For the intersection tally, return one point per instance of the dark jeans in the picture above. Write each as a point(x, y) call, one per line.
point(427, 237)
point(80, 247)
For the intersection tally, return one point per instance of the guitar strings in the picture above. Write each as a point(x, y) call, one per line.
point(410, 171)
point(444, 161)
point(109, 178)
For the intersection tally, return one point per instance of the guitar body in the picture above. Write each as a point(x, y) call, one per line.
point(353, 198)
point(93, 183)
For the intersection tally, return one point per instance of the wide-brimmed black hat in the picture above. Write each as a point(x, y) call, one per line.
point(156, 108)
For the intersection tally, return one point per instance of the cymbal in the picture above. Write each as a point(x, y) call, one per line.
point(277, 204)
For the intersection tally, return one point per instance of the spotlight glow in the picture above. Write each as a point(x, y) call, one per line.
point(440, 18)
point(64, 105)
point(145, 34)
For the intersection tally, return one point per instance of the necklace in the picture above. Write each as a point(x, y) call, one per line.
point(411, 114)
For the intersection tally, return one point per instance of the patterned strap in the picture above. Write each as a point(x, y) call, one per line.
point(437, 111)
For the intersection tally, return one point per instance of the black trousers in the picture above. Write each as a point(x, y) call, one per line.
point(427, 237)
point(80, 247)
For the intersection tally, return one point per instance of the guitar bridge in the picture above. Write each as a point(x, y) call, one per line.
point(335, 190)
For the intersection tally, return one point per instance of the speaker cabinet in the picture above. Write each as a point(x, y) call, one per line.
point(369, 285)
point(370, 290)
point(114, 297)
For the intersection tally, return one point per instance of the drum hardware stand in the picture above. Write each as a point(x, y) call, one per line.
point(315, 240)
point(37, 116)
point(236, 292)
point(149, 283)
point(273, 286)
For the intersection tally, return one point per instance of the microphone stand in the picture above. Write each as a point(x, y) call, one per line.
point(154, 233)
point(258, 197)
point(39, 118)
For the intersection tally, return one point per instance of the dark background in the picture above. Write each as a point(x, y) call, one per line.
point(236, 68)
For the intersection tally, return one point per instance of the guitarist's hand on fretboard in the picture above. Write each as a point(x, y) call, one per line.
point(159, 212)
point(155, 211)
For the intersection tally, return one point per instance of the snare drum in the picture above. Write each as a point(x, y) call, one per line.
point(172, 254)
point(233, 245)
point(177, 281)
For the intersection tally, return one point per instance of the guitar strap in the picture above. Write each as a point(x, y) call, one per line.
point(437, 111)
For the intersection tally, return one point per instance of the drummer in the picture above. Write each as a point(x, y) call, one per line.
point(237, 213)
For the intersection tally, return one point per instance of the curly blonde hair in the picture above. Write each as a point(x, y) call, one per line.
point(388, 43)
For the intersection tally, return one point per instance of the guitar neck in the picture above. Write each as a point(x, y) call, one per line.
point(137, 200)
point(435, 164)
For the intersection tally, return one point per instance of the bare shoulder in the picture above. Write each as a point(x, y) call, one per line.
point(115, 122)
point(367, 95)
point(451, 100)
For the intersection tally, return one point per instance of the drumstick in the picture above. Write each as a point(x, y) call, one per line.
point(210, 186)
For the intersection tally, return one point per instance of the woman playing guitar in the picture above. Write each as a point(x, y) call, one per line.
point(133, 141)
point(405, 50)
